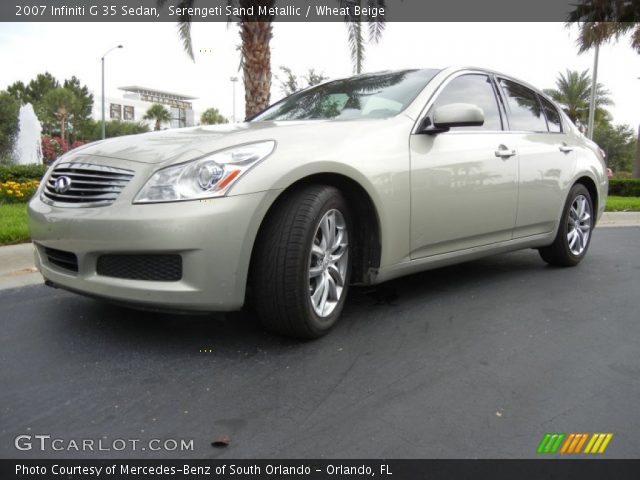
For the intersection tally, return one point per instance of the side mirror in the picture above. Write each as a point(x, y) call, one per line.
point(454, 115)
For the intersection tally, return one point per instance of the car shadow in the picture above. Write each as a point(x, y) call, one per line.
point(239, 334)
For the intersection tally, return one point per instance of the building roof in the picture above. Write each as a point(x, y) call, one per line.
point(153, 91)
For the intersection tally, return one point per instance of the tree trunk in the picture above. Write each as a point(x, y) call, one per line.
point(256, 64)
point(63, 120)
point(636, 165)
point(157, 124)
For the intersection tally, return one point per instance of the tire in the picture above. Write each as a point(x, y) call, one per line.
point(299, 283)
point(574, 232)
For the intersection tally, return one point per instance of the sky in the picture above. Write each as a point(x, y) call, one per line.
point(153, 56)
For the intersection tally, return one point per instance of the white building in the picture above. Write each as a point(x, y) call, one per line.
point(136, 101)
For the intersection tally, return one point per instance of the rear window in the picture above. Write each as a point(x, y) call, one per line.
point(553, 117)
point(525, 111)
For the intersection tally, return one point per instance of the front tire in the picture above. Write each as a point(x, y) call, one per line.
point(574, 233)
point(301, 264)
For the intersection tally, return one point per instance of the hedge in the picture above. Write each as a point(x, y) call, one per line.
point(624, 187)
point(21, 173)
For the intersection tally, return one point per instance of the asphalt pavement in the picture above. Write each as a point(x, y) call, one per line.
point(473, 361)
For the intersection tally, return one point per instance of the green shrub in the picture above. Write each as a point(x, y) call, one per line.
point(628, 187)
point(21, 173)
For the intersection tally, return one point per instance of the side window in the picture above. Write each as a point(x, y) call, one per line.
point(525, 111)
point(474, 89)
point(553, 117)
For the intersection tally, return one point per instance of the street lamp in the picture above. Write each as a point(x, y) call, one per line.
point(234, 80)
point(102, 60)
point(592, 100)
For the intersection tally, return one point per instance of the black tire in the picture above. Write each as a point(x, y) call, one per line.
point(280, 274)
point(560, 253)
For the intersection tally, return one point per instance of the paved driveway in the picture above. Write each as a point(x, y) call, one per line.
point(477, 360)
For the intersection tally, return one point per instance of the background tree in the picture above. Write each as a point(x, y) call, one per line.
point(62, 103)
point(211, 116)
point(573, 91)
point(79, 112)
point(603, 20)
point(82, 107)
point(159, 114)
point(619, 143)
point(9, 108)
point(289, 82)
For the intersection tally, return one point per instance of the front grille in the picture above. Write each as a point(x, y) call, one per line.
point(62, 259)
point(156, 267)
point(85, 185)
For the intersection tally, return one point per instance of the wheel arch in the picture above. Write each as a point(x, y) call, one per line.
point(590, 185)
point(366, 224)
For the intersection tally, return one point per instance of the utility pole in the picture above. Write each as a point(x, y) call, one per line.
point(234, 80)
point(102, 60)
point(594, 85)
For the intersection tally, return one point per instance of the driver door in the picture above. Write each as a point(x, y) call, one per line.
point(464, 182)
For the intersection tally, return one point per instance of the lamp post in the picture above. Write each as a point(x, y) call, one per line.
point(592, 100)
point(636, 165)
point(102, 60)
point(234, 80)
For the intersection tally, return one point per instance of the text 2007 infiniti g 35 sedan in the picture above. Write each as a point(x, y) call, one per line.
point(354, 181)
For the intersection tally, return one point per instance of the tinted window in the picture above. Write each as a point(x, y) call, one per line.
point(553, 117)
point(474, 89)
point(524, 108)
point(378, 95)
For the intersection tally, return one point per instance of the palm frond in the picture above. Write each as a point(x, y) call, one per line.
point(376, 24)
point(184, 31)
point(356, 45)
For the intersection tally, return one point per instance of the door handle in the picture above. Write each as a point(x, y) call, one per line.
point(504, 152)
point(566, 148)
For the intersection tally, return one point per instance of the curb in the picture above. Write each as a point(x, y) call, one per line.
point(17, 270)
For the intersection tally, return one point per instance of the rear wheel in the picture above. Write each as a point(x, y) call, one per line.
point(301, 264)
point(574, 233)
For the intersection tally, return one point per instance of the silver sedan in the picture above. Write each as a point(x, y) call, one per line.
point(355, 181)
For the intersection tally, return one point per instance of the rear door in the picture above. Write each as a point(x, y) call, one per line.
point(546, 158)
point(464, 181)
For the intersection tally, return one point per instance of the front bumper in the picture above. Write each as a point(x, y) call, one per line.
point(213, 237)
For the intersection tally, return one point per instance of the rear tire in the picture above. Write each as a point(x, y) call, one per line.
point(574, 233)
point(301, 263)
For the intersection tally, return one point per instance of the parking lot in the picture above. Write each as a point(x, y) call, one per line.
point(474, 361)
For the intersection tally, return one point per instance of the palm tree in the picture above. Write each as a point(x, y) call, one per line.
point(256, 32)
point(211, 116)
point(356, 34)
point(61, 102)
point(573, 91)
point(604, 20)
point(159, 113)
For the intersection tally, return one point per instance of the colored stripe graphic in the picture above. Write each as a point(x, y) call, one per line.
point(574, 442)
point(598, 443)
point(550, 443)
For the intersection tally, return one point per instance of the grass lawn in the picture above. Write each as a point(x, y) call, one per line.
point(623, 204)
point(13, 218)
point(13, 223)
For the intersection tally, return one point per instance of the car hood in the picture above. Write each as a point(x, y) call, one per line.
point(183, 144)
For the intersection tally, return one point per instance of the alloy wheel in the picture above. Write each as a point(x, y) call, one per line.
point(328, 262)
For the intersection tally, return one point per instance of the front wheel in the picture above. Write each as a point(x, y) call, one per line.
point(574, 233)
point(300, 274)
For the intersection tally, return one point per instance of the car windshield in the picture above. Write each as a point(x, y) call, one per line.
point(377, 95)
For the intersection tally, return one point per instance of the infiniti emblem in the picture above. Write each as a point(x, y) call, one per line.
point(62, 184)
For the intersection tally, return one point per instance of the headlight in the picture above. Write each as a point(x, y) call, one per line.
point(209, 176)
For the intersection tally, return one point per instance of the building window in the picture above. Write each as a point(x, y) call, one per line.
point(116, 111)
point(128, 112)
